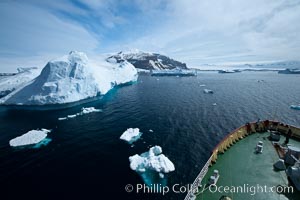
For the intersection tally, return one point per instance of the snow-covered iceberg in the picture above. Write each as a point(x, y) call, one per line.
point(31, 137)
point(82, 112)
point(151, 165)
point(9, 84)
point(72, 78)
point(131, 135)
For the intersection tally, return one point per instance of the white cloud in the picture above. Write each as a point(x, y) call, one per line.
point(214, 31)
point(194, 31)
point(29, 32)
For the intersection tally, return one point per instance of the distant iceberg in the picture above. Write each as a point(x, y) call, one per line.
point(82, 112)
point(229, 71)
point(289, 71)
point(207, 91)
point(131, 135)
point(62, 118)
point(295, 107)
point(151, 162)
point(31, 137)
point(174, 72)
point(70, 79)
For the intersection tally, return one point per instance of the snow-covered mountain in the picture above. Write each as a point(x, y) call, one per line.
point(147, 61)
point(71, 78)
point(275, 65)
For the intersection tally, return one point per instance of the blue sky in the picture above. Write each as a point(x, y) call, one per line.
point(193, 31)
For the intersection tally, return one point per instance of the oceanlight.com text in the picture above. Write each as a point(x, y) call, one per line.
point(250, 189)
point(177, 188)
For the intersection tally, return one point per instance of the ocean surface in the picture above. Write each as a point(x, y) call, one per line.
point(86, 159)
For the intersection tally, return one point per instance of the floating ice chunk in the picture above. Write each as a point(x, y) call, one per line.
point(152, 160)
point(62, 118)
point(161, 175)
point(89, 110)
point(131, 135)
point(202, 85)
point(214, 104)
point(82, 112)
point(150, 130)
point(31, 137)
point(207, 91)
point(296, 107)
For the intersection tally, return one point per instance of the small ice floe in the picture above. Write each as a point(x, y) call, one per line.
point(82, 112)
point(89, 110)
point(202, 85)
point(62, 118)
point(31, 137)
point(150, 164)
point(150, 130)
point(295, 107)
point(214, 104)
point(131, 135)
point(161, 175)
point(207, 91)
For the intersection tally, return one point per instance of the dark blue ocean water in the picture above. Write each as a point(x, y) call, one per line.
point(87, 160)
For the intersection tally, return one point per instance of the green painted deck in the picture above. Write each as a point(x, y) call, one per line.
point(240, 166)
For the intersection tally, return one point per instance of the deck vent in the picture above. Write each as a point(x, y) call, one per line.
point(212, 180)
point(279, 165)
point(216, 173)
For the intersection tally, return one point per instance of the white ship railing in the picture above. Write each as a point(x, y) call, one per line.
point(197, 182)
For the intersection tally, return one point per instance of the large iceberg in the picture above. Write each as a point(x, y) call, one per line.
point(31, 137)
point(131, 135)
point(72, 78)
point(151, 164)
